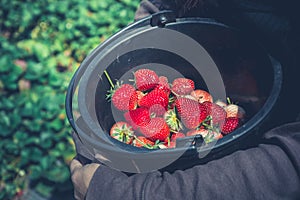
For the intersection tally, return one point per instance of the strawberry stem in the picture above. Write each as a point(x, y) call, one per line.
point(109, 79)
point(175, 93)
point(144, 144)
point(168, 140)
point(228, 100)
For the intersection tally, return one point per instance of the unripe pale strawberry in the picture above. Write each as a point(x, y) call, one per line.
point(201, 96)
point(234, 110)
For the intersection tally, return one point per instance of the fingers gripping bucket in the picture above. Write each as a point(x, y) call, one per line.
point(220, 59)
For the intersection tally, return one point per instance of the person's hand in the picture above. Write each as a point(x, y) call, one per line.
point(81, 177)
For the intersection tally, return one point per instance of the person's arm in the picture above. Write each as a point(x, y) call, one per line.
point(149, 7)
point(270, 171)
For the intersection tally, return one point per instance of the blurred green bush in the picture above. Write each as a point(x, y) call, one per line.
point(41, 45)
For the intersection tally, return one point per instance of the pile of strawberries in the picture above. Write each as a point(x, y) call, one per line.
point(156, 112)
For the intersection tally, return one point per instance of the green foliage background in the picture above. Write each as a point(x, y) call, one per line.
point(41, 45)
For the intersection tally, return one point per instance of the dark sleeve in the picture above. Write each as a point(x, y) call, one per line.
point(269, 171)
point(149, 7)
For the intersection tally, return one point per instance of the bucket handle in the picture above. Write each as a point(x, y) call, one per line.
point(69, 100)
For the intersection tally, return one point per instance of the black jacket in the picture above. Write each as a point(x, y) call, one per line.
point(269, 171)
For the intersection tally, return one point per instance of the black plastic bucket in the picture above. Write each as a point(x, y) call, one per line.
point(250, 76)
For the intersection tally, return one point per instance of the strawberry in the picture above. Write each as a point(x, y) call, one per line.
point(207, 135)
point(212, 136)
point(145, 79)
point(156, 129)
point(170, 142)
point(122, 131)
point(140, 95)
point(182, 86)
point(138, 117)
point(123, 97)
point(156, 100)
point(172, 120)
point(201, 96)
point(135, 99)
point(221, 103)
point(230, 124)
point(163, 84)
point(190, 97)
point(157, 110)
point(234, 110)
point(141, 141)
point(217, 113)
point(191, 112)
point(176, 135)
point(201, 131)
point(130, 121)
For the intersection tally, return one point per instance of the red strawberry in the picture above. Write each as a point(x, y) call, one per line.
point(145, 79)
point(122, 131)
point(141, 141)
point(156, 100)
point(121, 97)
point(217, 113)
point(191, 112)
point(130, 121)
point(138, 117)
point(182, 86)
point(231, 123)
point(135, 99)
point(140, 95)
point(157, 129)
point(163, 84)
point(157, 110)
point(201, 96)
